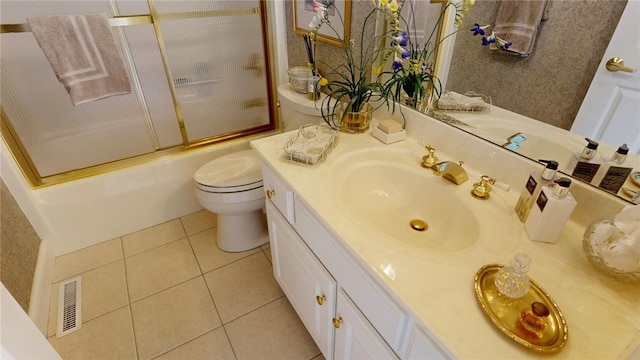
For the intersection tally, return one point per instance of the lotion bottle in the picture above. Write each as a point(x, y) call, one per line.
point(613, 173)
point(550, 212)
point(535, 183)
point(585, 165)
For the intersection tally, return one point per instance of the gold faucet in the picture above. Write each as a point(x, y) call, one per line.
point(430, 159)
point(482, 189)
point(451, 171)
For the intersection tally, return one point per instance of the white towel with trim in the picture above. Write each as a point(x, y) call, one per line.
point(83, 54)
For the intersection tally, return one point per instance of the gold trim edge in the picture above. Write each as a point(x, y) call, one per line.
point(147, 18)
point(114, 21)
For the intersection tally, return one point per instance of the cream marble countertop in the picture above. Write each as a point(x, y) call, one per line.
point(603, 316)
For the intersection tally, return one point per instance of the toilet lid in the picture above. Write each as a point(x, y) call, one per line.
point(232, 170)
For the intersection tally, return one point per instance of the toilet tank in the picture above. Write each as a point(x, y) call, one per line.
point(296, 109)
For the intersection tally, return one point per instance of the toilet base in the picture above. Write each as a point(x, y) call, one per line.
point(241, 232)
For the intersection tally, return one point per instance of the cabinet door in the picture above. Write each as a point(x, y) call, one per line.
point(278, 193)
point(309, 287)
point(355, 336)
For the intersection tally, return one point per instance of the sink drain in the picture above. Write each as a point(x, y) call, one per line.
point(418, 225)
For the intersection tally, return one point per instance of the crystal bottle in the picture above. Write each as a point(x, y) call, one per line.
point(512, 280)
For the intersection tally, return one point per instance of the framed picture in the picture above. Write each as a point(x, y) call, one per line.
point(303, 13)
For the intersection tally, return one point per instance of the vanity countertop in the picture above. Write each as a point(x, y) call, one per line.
point(603, 316)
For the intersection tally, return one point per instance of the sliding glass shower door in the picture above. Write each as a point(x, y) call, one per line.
point(199, 72)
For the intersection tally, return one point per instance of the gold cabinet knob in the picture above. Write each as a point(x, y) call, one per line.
point(320, 299)
point(617, 64)
point(337, 322)
point(271, 193)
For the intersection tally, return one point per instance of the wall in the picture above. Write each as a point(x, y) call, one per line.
point(20, 337)
point(19, 245)
point(548, 85)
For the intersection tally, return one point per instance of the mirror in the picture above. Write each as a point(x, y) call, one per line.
point(549, 85)
point(573, 59)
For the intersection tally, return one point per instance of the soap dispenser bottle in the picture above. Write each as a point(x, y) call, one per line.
point(613, 173)
point(550, 212)
point(532, 188)
point(585, 165)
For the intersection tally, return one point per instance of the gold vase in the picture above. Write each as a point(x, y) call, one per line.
point(355, 121)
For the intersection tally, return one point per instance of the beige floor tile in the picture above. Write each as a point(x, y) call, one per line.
point(173, 317)
point(199, 221)
point(243, 286)
point(152, 237)
point(107, 337)
point(212, 345)
point(103, 290)
point(209, 256)
point(272, 332)
point(77, 262)
point(266, 248)
point(158, 269)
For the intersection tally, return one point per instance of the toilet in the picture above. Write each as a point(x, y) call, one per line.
point(297, 110)
point(231, 185)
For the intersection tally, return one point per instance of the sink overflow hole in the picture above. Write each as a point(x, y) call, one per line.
point(418, 225)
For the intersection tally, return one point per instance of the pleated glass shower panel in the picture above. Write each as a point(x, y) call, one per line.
point(58, 136)
point(221, 84)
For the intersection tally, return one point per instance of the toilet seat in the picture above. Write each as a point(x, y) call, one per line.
point(237, 172)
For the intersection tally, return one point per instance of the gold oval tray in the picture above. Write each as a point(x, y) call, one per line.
point(504, 312)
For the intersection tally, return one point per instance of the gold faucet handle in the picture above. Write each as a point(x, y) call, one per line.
point(482, 189)
point(430, 159)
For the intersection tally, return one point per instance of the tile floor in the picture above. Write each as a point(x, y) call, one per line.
point(168, 292)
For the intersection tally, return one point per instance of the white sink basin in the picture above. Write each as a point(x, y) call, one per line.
point(384, 190)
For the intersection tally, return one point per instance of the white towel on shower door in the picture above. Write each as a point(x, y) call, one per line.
point(83, 55)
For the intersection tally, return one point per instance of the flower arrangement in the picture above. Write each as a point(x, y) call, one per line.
point(351, 88)
point(412, 76)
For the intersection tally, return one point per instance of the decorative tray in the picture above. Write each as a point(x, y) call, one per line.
point(505, 313)
point(311, 145)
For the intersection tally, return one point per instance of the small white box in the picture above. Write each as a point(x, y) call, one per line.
point(389, 138)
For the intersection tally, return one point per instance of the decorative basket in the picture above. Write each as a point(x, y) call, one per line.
point(311, 145)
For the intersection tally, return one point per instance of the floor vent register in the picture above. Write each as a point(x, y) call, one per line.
point(69, 307)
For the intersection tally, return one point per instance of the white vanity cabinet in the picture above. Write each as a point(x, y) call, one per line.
point(345, 311)
point(355, 337)
point(309, 287)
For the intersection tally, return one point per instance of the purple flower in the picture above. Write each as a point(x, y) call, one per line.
point(488, 40)
point(477, 30)
point(397, 65)
point(400, 39)
point(404, 53)
point(506, 45)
